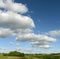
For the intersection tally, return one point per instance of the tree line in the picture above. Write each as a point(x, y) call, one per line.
point(33, 56)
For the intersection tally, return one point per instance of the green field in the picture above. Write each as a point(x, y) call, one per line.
point(4, 57)
point(14, 57)
point(29, 57)
point(7, 57)
point(18, 55)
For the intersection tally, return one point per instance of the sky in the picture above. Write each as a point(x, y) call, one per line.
point(30, 26)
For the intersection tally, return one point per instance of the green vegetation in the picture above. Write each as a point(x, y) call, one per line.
point(18, 55)
point(14, 53)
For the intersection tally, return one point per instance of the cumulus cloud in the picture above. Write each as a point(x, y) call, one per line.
point(36, 40)
point(14, 23)
point(54, 33)
point(12, 20)
point(5, 32)
point(44, 46)
point(34, 37)
point(24, 31)
point(12, 6)
point(19, 8)
point(40, 44)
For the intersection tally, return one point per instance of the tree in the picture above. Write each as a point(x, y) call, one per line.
point(15, 53)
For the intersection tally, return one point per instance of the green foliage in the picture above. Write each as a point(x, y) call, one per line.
point(5, 54)
point(44, 56)
point(15, 53)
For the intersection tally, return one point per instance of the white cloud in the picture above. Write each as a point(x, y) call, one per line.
point(2, 4)
point(13, 20)
point(44, 46)
point(24, 37)
point(46, 38)
point(14, 24)
point(23, 31)
point(54, 33)
point(27, 50)
point(5, 32)
point(5, 49)
point(40, 41)
point(19, 7)
point(17, 44)
point(34, 37)
point(12, 6)
point(11, 43)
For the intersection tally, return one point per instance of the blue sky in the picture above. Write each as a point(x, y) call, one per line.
point(46, 17)
point(48, 12)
